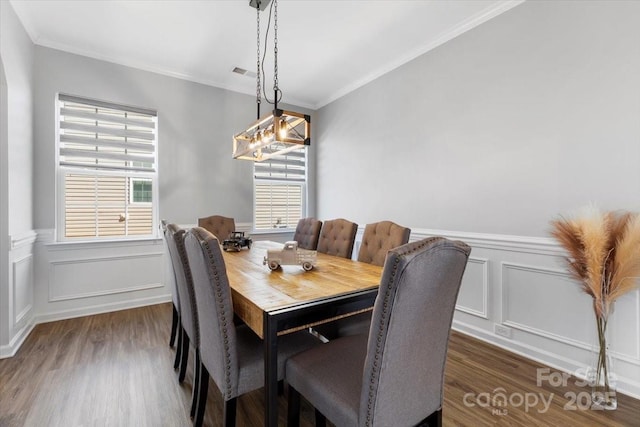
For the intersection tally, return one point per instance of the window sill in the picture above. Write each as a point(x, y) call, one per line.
point(95, 244)
point(274, 231)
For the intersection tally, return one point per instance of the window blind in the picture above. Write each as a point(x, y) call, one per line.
point(290, 167)
point(94, 135)
point(107, 160)
point(280, 184)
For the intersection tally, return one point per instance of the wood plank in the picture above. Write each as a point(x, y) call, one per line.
point(256, 289)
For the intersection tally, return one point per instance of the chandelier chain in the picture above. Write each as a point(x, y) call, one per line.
point(275, 48)
point(258, 85)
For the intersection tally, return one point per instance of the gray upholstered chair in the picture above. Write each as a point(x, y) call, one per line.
point(175, 319)
point(394, 376)
point(219, 226)
point(233, 355)
point(307, 233)
point(337, 237)
point(189, 330)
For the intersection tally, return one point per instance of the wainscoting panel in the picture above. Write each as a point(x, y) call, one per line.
point(22, 287)
point(85, 278)
point(517, 294)
point(17, 304)
point(625, 321)
point(545, 302)
point(473, 296)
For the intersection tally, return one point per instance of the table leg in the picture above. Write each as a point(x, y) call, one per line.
point(270, 370)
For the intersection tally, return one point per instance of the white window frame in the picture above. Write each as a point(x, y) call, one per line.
point(61, 171)
point(303, 208)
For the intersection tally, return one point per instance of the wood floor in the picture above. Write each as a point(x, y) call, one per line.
point(116, 369)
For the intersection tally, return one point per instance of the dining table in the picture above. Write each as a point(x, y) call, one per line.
point(290, 299)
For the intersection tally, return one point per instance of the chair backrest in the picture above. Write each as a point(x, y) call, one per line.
point(307, 233)
point(337, 237)
point(409, 334)
point(170, 273)
point(218, 349)
point(219, 226)
point(379, 238)
point(174, 236)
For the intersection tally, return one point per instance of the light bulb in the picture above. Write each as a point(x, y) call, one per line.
point(266, 134)
point(283, 129)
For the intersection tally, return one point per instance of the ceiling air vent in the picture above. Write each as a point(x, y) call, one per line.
point(244, 72)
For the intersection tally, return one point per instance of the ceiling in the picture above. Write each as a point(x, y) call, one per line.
point(327, 48)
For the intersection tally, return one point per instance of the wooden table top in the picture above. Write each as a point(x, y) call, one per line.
point(256, 289)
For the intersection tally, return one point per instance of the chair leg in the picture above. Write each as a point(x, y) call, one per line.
point(203, 389)
point(196, 384)
point(184, 358)
point(293, 408)
point(174, 327)
point(435, 419)
point(229, 415)
point(321, 421)
point(181, 333)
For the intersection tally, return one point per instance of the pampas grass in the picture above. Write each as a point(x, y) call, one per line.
point(603, 253)
point(604, 257)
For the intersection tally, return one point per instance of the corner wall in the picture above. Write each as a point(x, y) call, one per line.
point(4, 214)
point(16, 182)
point(485, 139)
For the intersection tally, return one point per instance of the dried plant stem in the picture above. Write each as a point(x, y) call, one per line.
point(602, 367)
point(603, 393)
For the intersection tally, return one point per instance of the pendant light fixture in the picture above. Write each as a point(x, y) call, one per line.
point(280, 131)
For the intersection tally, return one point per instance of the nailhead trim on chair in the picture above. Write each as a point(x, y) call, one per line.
point(179, 235)
point(384, 320)
point(213, 272)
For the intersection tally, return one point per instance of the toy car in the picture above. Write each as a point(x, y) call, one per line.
point(290, 254)
point(236, 241)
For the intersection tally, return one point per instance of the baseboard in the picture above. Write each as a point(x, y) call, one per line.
point(101, 308)
point(12, 348)
point(625, 385)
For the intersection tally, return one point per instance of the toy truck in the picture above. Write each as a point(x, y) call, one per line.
point(236, 241)
point(290, 254)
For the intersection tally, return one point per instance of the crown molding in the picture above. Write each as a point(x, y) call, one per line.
point(464, 26)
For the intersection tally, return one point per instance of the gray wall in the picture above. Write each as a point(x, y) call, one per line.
point(16, 174)
point(532, 114)
point(16, 160)
point(17, 56)
point(197, 176)
point(4, 210)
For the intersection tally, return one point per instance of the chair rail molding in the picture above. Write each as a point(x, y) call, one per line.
point(23, 239)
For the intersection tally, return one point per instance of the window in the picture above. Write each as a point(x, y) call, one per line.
point(106, 168)
point(280, 191)
point(141, 191)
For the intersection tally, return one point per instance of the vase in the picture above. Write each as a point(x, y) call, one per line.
point(602, 378)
